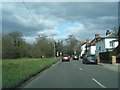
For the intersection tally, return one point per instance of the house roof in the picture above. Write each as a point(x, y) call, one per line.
point(92, 43)
point(117, 49)
point(114, 41)
point(112, 35)
point(108, 37)
point(82, 43)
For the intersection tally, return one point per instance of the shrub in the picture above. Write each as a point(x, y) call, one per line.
point(106, 57)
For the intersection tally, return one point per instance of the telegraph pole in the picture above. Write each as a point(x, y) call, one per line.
point(54, 50)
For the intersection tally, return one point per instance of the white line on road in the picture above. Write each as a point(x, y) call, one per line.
point(80, 68)
point(98, 83)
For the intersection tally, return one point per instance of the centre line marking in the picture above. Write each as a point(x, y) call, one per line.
point(98, 83)
point(80, 68)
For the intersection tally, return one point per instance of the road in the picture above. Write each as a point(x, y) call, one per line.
point(74, 74)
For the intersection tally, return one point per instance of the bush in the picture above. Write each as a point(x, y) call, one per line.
point(106, 57)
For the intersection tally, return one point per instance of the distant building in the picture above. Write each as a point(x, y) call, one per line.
point(83, 48)
point(91, 46)
point(108, 32)
point(100, 44)
point(114, 43)
point(107, 43)
point(117, 49)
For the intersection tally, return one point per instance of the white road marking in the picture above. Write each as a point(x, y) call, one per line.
point(80, 69)
point(98, 83)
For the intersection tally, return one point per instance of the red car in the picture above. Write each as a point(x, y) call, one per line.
point(66, 58)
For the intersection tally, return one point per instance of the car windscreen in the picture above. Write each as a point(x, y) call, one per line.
point(65, 55)
point(75, 56)
point(91, 57)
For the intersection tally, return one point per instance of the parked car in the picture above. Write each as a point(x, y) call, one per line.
point(118, 58)
point(83, 56)
point(75, 57)
point(90, 59)
point(65, 57)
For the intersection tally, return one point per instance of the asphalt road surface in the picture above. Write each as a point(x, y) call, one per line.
point(74, 74)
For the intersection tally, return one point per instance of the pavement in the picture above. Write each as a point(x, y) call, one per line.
point(115, 67)
point(75, 74)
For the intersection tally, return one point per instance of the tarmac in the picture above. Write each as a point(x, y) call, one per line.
point(115, 67)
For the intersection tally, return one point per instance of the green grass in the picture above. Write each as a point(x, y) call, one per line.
point(16, 71)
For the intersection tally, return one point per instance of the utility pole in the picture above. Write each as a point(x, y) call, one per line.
point(54, 50)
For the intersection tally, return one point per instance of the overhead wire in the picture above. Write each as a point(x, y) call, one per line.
point(30, 13)
point(36, 20)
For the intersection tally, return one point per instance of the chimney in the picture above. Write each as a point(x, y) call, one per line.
point(97, 35)
point(87, 40)
point(108, 32)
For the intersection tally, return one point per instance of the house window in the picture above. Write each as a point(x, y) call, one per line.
point(111, 44)
point(99, 48)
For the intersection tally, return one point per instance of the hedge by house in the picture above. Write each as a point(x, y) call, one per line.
point(106, 57)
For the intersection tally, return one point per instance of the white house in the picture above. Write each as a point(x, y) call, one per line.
point(83, 48)
point(100, 44)
point(92, 49)
point(105, 44)
point(114, 43)
point(91, 46)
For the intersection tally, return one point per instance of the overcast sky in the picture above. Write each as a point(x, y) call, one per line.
point(60, 19)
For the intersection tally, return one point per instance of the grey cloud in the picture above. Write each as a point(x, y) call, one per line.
point(90, 10)
point(11, 23)
point(95, 16)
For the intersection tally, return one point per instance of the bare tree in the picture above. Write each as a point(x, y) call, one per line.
point(11, 44)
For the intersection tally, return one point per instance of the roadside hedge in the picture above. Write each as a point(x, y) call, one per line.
point(106, 57)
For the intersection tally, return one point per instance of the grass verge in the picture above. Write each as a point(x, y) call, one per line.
point(17, 71)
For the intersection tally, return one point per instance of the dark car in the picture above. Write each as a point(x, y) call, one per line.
point(75, 57)
point(65, 58)
point(118, 58)
point(90, 59)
